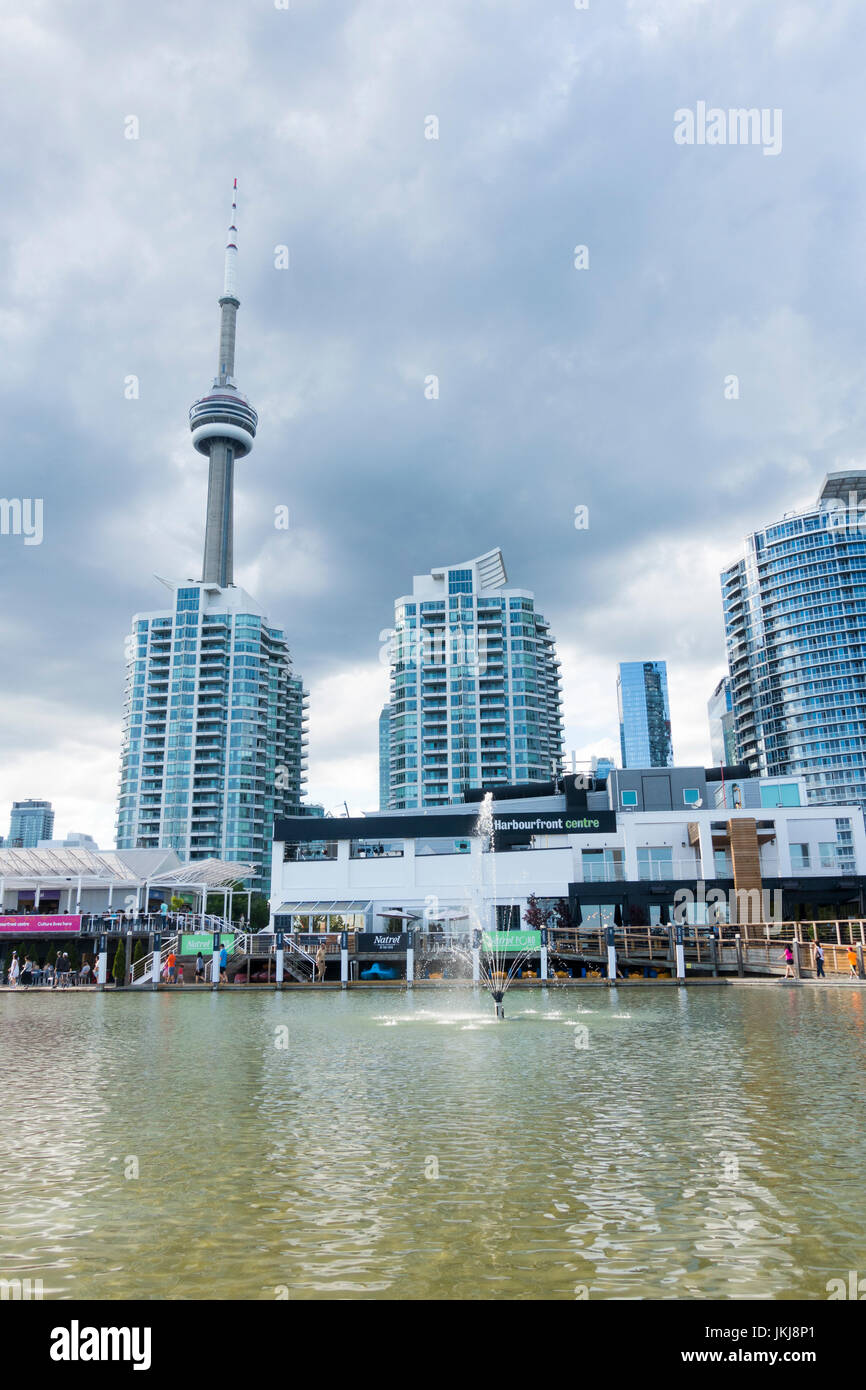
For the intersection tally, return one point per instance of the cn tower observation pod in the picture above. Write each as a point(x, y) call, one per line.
point(223, 414)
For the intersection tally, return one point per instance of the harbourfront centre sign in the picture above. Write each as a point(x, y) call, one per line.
point(556, 823)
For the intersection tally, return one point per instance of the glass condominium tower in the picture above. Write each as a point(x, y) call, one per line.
point(30, 822)
point(795, 624)
point(644, 714)
point(475, 687)
point(214, 726)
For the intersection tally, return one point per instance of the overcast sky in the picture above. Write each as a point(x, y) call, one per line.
point(408, 257)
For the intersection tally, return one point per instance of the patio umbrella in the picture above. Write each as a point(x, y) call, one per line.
point(664, 916)
point(617, 916)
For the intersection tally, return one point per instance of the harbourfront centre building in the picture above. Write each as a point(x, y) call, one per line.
point(625, 847)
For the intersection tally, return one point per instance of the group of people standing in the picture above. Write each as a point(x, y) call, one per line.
point(60, 975)
point(173, 969)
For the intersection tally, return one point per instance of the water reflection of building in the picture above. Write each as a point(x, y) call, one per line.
point(620, 849)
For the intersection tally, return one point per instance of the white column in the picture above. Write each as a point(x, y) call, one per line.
point(102, 968)
point(544, 955)
point(708, 862)
point(611, 955)
point(680, 951)
point(156, 963)
point(783, 845)
point(626, 826)
point(36, 899)
point(204, 908)
point(3, 894)
point(110, 894)
point(281, 956)
point(215, 960)
point(78, 895)
point(410, 961)
point(344, 960)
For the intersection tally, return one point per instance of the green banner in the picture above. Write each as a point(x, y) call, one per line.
point(193, 942)
point(499, 941)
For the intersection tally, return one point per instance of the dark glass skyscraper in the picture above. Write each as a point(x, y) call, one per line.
point(644, 714)
point(795, 620)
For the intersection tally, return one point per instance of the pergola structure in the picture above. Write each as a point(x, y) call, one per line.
point(73, 870)
point(209, 876)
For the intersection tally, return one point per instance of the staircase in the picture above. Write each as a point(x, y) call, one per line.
point(298, 962)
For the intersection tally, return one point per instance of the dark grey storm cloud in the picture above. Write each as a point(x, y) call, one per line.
point(409, 257)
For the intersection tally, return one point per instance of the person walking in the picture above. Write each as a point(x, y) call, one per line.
point(224, 960)
point(789, 962)
point(63, 968)
point(819, 961)
point(320, 962)
point(852, 961)
point(199, 969)
point(25, 979)
point(14, 970)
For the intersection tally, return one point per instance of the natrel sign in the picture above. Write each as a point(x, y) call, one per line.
point(566, 823)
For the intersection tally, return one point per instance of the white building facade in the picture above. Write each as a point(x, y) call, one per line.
point(430, 868)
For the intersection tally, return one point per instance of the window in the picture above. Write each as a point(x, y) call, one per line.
point(799, 857)
point(655, 862)
point(441, 846)
point(827, 854)
point(376, 849)
point(784, 794)
point(629, 798)
point(309, 849)
point(691, 796)
point(602, 865)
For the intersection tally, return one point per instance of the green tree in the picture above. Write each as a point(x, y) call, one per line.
point(138, 950)
point(118, 965)
point(260, 912)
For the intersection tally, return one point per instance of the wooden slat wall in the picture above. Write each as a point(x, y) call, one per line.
point(746, 860)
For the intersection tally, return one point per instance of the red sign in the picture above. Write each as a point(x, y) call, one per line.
point(40, 926)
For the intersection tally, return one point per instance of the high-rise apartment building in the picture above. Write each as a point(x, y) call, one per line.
point(644, 714)
point(385, 758)
point(720, 713)
point(214, 723)
point(30, 822)
point(795, 621)
point(475, 686)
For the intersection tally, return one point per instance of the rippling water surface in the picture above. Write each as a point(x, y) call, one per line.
point(704, 1143)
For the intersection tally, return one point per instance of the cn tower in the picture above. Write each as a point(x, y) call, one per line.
point(223, 425)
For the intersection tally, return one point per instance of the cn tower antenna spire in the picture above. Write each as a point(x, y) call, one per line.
point(223, 425)
point(230, 284)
